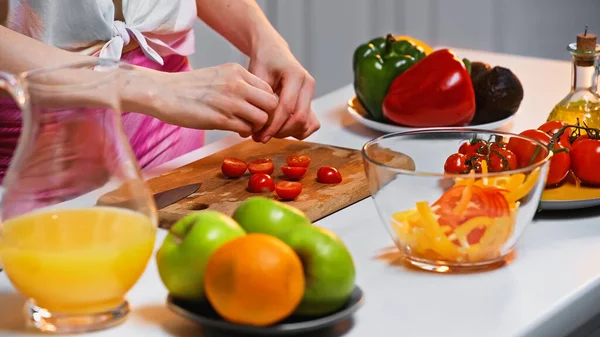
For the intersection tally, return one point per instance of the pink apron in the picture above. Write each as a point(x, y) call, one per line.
point(153, 141)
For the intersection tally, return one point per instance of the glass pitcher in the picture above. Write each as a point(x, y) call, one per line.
point(71, 255)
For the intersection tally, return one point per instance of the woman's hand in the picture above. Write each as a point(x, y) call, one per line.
point(274, 63)
point(225, 97)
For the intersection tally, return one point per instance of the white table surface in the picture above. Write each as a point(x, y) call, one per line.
point(551, 287)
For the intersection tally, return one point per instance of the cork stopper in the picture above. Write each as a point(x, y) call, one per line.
point(586, 43)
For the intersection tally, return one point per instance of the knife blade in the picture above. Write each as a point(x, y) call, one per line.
point(161, 199)
point(169, 197)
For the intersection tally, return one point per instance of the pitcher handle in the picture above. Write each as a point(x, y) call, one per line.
point(11, 84)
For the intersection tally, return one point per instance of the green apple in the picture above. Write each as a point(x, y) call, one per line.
point(328, 265)
point(328, 268)
point(183, 255)
point(268, 216)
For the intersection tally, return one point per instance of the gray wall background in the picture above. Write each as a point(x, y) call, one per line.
point(324, 33)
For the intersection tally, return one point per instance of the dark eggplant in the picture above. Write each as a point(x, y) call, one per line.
point(498, 93)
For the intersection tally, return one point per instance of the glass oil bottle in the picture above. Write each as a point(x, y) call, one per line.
point(582, 104)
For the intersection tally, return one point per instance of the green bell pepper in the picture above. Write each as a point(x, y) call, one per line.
point(376, 64)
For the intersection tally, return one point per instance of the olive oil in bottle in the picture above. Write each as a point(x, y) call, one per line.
point(582, 104)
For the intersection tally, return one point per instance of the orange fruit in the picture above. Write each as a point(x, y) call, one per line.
point(255, 279)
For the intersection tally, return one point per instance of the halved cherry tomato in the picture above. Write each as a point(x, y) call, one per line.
point(502, 160)
point(457, 164)
point(294, 173)
point(560, 164)
point(262, 165)
point(585, 160)
point(288, 190)
point(260, 183)
point(551, 127)
point(329, 175)
point(298, 161)
point(524, 149)
point(233, 167)
point(469, 149)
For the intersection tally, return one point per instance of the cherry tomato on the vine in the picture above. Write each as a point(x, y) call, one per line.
point(477, 147)
point(585, 160)
point(560, 164)
point(580, 138)
point(329, 175)
point(457, 163)
point(552, 127)
point(498, 146)
point(260, 183)
point(475, 161)
point(525, 149)
point(502, 160)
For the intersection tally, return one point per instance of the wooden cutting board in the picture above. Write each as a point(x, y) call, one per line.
point(222, 194)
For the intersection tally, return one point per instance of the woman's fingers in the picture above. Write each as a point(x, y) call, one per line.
point(239, 126)
point(256, 81)
point(313, 126)
point(298, 123)
point(291, 85)
point(256, 118)
point(261, 99)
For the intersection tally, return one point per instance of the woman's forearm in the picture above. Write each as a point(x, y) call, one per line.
point(241, 22)
point(19, 53)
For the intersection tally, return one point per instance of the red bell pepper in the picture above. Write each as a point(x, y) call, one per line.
point(436, 91)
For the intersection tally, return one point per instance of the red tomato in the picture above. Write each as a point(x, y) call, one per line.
point(560, 164)
point(288, 190)
point(457, 164)
point(260, 183)
point(329, 175)
point(298, 161)
point(475, 162)
point(580, 138)
point(261, 166)
point(498, 146)
point(551, 127)
point(502, 160)
point(469, 149)
point(294, 173)
point(585, 160)
point(524, 150)
point(233, 167)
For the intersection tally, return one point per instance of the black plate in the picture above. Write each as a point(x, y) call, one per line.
point(205, 315)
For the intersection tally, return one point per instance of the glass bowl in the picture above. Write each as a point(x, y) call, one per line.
point(452, 222)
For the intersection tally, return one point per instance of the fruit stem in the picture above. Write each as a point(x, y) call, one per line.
point(564, 149)
point(535, 154)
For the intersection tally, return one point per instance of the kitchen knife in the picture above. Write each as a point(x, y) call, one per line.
point(162, 199)
point(169, 197)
